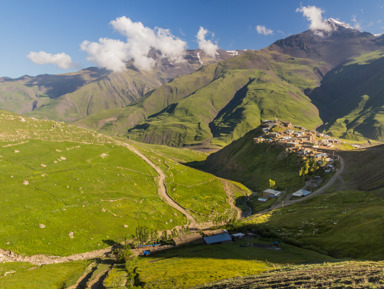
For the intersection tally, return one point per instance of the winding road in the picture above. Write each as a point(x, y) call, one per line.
point(9, 256)
point(331, 182)
point(162, 189)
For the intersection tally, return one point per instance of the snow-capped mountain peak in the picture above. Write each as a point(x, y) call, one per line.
point(336, 24)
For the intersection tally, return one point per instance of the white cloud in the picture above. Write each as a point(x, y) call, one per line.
point(107, 53)
point(206, 45)
point(261, 29)
point(314, 15)
point(356, 23)
point(113, 54)
point(61, 60)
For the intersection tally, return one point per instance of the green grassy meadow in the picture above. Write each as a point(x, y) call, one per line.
point(346, 274)
point(343, 224)
point(202, 194)
point(77, 191)
point(27, 276)
point(68, 190)
point(196, 265)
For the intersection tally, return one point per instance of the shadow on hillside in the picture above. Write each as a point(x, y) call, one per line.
point(57, 85)
point(230, 114)
point(250, 248)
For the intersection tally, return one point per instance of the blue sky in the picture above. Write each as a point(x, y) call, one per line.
point(62, 26)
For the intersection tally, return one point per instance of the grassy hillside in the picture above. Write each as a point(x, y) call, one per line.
point(346, 221)
point(364, 170)
point(72, 96)
point(202, 194)
point(67, 190)
point(28, 93)
point(348, 274)
point(344, 224)
point(118, 121)
point(350, 98)
point(55, 276)
point(196, 265)
point(243, 90)
point(254, 164)
point(113, 90)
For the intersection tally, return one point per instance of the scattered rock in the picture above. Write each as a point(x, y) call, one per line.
point(42, 226)
point(43, 165)
point(63, 158)
point(125, 226)
point(104, 155)
point(9, 272)
point(104, 210)
point(22, 119)
point(16, 151)
point(25, 183)
point(71, 235)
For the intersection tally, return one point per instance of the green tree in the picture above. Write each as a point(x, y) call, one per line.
point(154, 236)
point(164, 237)
point(142, 234)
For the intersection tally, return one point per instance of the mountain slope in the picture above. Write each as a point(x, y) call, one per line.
point(118, 121)
point(273, 82)
point(351, 98)
point(254, 164)
point(243, 90)
point(364, 170)
point(345, 221)
point(71, 96)
point(67, 190)
point(333, 47)
point(221, 102)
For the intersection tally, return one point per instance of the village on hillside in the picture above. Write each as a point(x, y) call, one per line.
point(306, 143)
point(295, 138)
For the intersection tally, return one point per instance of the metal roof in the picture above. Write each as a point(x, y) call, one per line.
point(301, 193)
point(218, 239)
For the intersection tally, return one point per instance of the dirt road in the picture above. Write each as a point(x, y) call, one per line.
point(231, 199)
point(162, 189)
point(9, 256)
point(331, 182)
